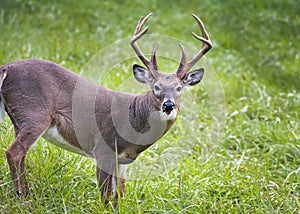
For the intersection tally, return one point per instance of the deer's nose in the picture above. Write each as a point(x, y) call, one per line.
point(168, 107)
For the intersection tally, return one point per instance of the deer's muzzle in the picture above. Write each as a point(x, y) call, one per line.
point(168, 107)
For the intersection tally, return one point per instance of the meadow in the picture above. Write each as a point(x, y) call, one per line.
point(236, 145)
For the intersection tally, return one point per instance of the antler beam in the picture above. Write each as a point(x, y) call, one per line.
point(184, 66)
point(150, 64)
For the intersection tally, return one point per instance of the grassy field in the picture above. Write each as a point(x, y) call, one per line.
point(235, 151)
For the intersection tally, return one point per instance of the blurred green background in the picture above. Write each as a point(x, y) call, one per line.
point(253, 169)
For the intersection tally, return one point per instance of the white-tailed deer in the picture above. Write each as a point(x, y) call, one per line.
point(42, 100)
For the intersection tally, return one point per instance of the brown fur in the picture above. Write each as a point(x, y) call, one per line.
point(38, 95)
point(43, 98)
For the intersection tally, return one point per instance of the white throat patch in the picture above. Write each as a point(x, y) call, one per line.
point(171, 116)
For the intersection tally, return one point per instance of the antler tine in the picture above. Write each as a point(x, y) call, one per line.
point(182, 62)
point(153, 58)
point(141, 23)
point(206, 46)
point(150, 64)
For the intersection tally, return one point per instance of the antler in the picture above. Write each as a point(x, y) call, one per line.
point(150, 64)
point(184, 67)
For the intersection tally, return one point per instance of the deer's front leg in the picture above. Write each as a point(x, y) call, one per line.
point(121, 180)
point(105, 184)
point(118, 183)
point(104, 177)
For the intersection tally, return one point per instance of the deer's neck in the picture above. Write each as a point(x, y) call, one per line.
point(141, 109)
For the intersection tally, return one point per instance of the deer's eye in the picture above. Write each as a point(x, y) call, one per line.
point(156, 88)
point(178, 89)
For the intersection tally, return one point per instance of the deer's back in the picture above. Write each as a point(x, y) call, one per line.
point(37, 86)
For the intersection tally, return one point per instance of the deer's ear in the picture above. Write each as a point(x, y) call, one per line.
point(193, 77)
point(142, 75)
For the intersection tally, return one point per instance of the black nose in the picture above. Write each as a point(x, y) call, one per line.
point(168, 106)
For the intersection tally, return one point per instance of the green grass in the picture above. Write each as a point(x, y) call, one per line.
point(253, 167)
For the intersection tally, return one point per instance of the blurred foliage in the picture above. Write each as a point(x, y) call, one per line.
point(254, 168)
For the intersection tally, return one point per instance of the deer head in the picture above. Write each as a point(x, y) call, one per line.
point(167, 88)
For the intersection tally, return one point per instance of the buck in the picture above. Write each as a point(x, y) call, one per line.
point(42, 100)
